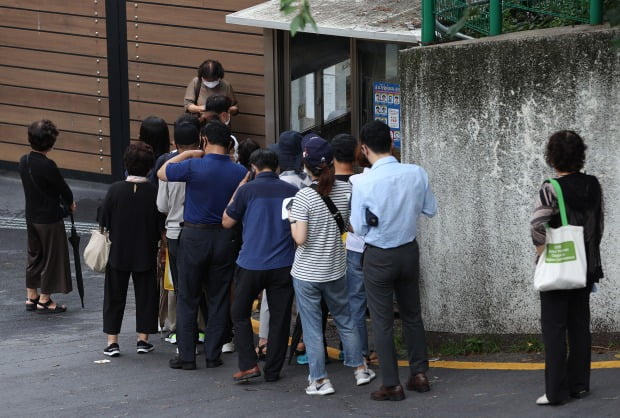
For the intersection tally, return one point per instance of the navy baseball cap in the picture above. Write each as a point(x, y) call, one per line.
point(317, 151)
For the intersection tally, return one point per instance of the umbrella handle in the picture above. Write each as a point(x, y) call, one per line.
point(71, 216)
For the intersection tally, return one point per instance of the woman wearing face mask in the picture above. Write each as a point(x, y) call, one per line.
point(210, 81)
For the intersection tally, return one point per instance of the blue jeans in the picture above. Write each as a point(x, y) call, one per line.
point(357, 296)
point(308, 296)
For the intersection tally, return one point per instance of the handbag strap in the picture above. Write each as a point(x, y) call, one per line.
point(560, 197)
point(333, 209)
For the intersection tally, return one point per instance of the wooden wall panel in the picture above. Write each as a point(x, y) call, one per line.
point(54, 42)
point(167, 41)
point(228, 5)
point(68, 141)
point(52, 61)
point(53, 100)
point(41, 79)
point(53, 65)
point(52, 22)
point(64, 120)
point(186, 57)
point(74, 7)
point(198, 38)
point(191, 17)
point(69, 160)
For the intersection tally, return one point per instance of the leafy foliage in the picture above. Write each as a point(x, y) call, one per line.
point(303, 16)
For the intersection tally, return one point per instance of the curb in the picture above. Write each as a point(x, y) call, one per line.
point(333, 353)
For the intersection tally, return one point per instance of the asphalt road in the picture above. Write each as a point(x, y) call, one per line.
point(49, 364)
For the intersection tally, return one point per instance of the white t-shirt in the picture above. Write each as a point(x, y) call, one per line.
point(322, 258)
point(355, 242)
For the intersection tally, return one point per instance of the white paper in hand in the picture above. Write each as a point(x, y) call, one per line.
point(285, 204)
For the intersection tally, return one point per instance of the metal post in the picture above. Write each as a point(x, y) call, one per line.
point(596, 12)
point(495, 17)
point(428, 21)
point(118, 83)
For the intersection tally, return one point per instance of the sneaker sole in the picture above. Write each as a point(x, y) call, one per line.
point(328, 392)
point(112, 354)
point(365, 381)
point(144, 350)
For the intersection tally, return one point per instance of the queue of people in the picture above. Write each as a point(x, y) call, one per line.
point(297, 223)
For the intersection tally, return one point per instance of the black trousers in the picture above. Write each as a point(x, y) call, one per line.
point(388, 272)
point(206, 257)
point(566, 313)
point(173, 254)
point(115, 297)
point(279, 286)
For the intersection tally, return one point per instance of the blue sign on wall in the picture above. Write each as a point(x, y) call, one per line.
point(386, 105)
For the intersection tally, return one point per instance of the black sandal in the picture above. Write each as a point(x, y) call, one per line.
point(261, 352)
point(31, 307)
point(47, 310)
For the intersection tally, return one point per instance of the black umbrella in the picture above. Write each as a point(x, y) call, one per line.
point(74, 239)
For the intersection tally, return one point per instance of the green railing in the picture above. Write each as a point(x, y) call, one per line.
point(485, 16)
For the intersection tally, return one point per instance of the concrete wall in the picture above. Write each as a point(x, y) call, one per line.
point(477, 115)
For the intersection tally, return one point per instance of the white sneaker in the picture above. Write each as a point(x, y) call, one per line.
point(324, 388)
point(543, 400)
point(228, 347)
point(364, 376)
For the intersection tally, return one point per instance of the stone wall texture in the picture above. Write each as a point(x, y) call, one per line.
point(477, 115)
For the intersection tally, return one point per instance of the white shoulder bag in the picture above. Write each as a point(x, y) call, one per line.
point(97, 250)
point(563, 264)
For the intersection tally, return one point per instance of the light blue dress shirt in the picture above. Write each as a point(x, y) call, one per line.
point(397, 194)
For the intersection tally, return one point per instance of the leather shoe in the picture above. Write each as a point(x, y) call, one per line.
point(419, 383)
point(177, 363)
point(391, 393)
point(212, 364)
point(246, 375)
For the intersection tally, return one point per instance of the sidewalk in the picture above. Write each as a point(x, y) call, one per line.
point(48, 368)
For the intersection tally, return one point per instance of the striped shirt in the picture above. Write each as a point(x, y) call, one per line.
point(322, 258)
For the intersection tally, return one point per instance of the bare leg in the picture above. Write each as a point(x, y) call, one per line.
point(112, 339)
point(143, 337)
point(44, 297)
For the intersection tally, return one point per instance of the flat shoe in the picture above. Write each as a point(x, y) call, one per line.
point(44, 308)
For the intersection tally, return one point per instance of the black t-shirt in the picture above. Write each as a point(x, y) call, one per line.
point(343, 177)
point(130, 214)
point(44, 188)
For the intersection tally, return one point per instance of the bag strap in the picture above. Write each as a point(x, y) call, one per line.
point(197, 88)
point(560, 197)
point(333, 209)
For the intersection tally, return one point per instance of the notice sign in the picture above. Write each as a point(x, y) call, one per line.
point(386, 106)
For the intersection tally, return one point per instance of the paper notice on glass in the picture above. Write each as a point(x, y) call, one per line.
point(286, 206)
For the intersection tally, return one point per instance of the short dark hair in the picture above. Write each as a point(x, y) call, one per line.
point(264, 158)
point(566, 151)
point(139, 158)
point(42, 135)
point(188, 118)
point(218, 103)
point(154, 131)
point(211, 70)
point(217, 133)
point(344, 146)
point(376, 136)
point(245, 149)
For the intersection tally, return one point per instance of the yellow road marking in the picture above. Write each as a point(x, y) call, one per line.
point(472, 365)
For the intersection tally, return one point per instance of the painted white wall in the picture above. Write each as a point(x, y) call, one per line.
point(477, 116)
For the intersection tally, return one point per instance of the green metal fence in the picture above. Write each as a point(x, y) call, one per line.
point(485, 16)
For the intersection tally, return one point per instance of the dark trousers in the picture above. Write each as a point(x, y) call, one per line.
point(388, 272)
point(48, 258)
point(279, 286)
point(566, 313)
point(115, 297)
point(206, 257)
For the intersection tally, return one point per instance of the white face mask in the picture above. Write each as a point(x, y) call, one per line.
point(211, 84)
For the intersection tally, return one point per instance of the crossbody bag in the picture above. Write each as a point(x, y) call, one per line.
point(333, 209)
